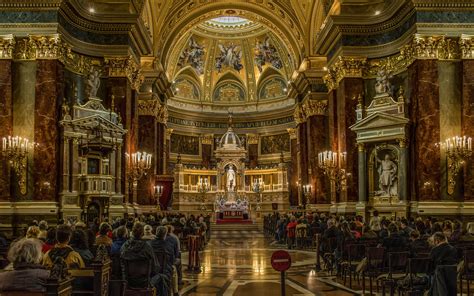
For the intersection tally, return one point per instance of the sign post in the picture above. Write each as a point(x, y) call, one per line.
point(281, 261)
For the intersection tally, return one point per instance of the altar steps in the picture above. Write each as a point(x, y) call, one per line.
point(235, 231)
point(236, 227)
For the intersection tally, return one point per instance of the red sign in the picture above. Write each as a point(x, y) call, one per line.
point(281, 260)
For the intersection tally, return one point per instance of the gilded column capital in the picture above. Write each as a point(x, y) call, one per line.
point(315, 107)
point(403, 142)
point(207, 139)
point(361, 147)
point(153, 108)
point(252, 139)
point(125, 67)
point(299, 114)
point(169, 131)
point(7, 46)
point(38, 47)
point(345, 67)
point(466, 44)
point(292, 132)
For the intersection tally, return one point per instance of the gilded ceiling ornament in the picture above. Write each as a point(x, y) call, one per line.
point(265, 52)
point(193, 55)
point(153, 108)
point(7, 45)
point(345, 67)
point(230, 56)
point(299, 115)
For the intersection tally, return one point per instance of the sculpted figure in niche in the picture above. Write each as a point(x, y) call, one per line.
point(230, 179)
point(382, 85)
point(93, 83)
point(387, 170)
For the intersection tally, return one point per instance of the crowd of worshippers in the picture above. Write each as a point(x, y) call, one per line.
point(436, 239)
point(30, 257)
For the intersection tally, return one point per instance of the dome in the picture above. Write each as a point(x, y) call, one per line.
point(230, 63)
point(230, 140)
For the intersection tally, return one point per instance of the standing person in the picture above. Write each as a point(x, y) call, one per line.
point(374, 222)
point(121, 236)
point(443, 254)
point(291, 232)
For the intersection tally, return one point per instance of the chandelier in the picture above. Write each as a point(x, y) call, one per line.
point(332, 164)
point(458, 151)
point(15, 151)
point(137, 165)
point(203, 187)
point(258, 187)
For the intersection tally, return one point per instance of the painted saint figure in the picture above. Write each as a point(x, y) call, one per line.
point(387, 174)
point(230, 179)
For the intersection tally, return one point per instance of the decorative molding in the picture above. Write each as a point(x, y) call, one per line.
point(168, 131)
point(125, 67)
point(153, 108)
point(7, 46)
point(207, 139)
point(466, 44)
point(299, 115)
point(38, 47)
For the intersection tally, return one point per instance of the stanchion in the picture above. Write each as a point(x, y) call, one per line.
point(283, 284)
point(318, 258)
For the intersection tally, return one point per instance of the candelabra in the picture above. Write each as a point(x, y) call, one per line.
point(15, 151)
point(458, 152)
point(158, 194)
point(203, 187)
point(306, 193)
point(332, 164)
point(258, 187)
point(136, 166)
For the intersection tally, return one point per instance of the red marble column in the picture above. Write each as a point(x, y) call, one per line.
point(253, 155)
point(318, 139)
point(49, 79)
point(6, 121)
point(348, 90)
point(146, 143)
point(293, 172)
point(160, 147)
point(423, 75)
point(468, 121)
point(332, 120)
point(303, 157)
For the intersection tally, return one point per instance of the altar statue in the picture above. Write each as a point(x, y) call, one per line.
point(387, 174)
point(230, 178)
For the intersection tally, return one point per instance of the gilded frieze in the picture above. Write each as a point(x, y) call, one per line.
point(466, 44)
point(125, 67)
point(7, 45)
point(315, 107)
point(153, 108)
point(275, 144)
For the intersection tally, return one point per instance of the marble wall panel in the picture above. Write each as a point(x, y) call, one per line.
point(450, 105)
point(146, 143)
point(253, 155)
point(6, 121)
point(468, 121)
point(48, 96)
point(303, 154)
point(160, 148)
point(332, 120)
point(293, 173)
point(348, 90)
point(206, 155)
point(318, 140)
point(423, 75)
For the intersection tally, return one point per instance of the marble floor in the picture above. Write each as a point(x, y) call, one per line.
point(238, 263)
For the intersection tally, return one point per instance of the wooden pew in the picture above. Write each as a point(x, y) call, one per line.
point(98, 274)
point(54, 287)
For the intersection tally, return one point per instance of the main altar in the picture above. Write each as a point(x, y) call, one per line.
point(232, 191)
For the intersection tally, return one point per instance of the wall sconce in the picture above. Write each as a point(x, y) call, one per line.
point(458, 151)
point(15, 151)
point(137, 165)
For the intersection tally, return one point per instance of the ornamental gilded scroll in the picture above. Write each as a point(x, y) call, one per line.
point(153, 108)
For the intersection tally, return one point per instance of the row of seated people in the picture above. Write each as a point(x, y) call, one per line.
point(157, 245)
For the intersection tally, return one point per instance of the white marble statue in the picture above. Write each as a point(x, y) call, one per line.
point(93, 83)
point(387, 170)
point(230, 179)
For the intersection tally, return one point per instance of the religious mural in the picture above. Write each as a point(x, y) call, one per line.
point(229, 56)
point(272, 88)
point(186, 89)
point(184, 144)
point(265, 52)
point(275, 144)
point(229, 91)
point(193, 55)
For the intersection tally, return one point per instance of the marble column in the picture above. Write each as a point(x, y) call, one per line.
point(160, 147)
point(403, 171)
point(48, 95)
point(424, 109)
point(347, 92)
point(318, 141)
point(362, 156)
point(24, 87)
point(146, 143)
point(6, 122)
point(467, 119)
point(252, 144)
point(302, 160)
point(293, 169)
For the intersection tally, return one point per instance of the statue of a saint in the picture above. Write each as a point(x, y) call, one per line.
point(230, 179)
point(387, 174)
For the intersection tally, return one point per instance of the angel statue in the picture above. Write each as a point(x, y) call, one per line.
point(267, 53)
point(382, 85)
point(93, 83)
